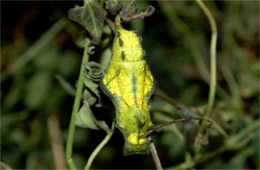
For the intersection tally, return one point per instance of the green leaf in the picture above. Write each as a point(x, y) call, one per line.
point(37, 89)
point(186, 164)
point(92, 86)
point(105, 57)
point(65, 85)
point(91, 17)
point(67, 63)
point(255, 145)
point(47, 58)
point(13, 95)
point(85, 117)
point(87, 96)
point(240, 158)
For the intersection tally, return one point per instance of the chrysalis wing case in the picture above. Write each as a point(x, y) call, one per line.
point(130, 84)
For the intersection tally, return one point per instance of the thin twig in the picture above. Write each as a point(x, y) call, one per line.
point(157, 127)
point(148, 12)
point(155, 156)
point(159, 93)
point(213, 123)
point(56, 143)
point(162, 95)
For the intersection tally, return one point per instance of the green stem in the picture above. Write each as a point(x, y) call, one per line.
point(218, 127)
point(168, 99)
point(235, 142)
point(35, 49)
point(233, 85)
point(192, 41)
point(75, 110)
point(98, 149)
point(213, 45)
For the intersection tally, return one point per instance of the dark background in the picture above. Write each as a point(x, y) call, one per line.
point(176, 39)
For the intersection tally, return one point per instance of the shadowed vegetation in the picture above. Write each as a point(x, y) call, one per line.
point(41, 53)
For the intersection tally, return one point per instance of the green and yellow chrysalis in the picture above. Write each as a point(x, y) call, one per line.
point(130, 84)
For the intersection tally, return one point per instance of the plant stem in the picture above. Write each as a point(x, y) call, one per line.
point(76, 108)
point(213, 44)
point(168, 99)
point(56, 142)
point(35, 49)
point(162, 95)
point(98, 149)
point(193, 42)
point(155, 156)
point(235, 142)
point(233, 85)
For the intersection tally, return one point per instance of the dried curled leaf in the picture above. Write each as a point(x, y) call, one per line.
point(114, 7)
point(93, 74)
point(128, 16)
point(94, 71)
point(128, 11)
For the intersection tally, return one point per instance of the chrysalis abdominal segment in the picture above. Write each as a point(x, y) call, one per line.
point(129, 83)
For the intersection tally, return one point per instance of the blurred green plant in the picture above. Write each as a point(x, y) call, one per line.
point(93, 22)
point(176, 37)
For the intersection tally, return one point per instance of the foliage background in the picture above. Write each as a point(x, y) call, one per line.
point(176, 39)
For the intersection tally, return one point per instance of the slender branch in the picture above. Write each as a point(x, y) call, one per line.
point(213, 123)
point(98, 148)
point(213, 44)
point(76, 108)
point(168, 99)
point(155, 156)
point(162, 95)
point(56, 143)
point(157, 127)
point(218, 127)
